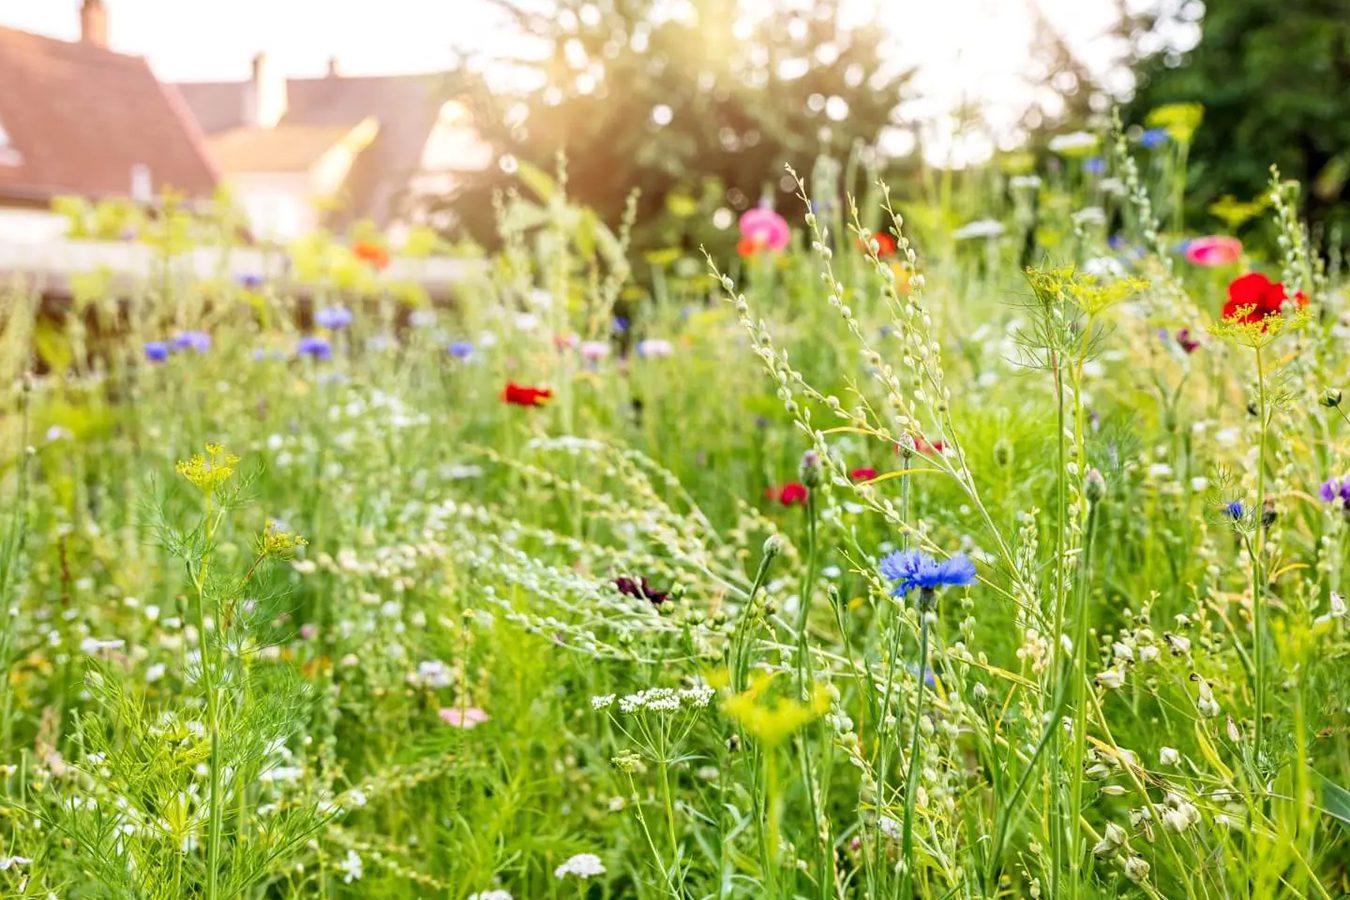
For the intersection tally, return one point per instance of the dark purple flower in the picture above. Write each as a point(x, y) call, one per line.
point(156, 351)
point(640, 588)
point(1187, 343)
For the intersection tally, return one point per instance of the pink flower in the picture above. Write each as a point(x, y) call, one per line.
point(463, 718)
point(1215, 250)
point(765, 229)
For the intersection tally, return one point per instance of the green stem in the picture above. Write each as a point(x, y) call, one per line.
point(1080, 705)
point(916, 747)
point(1258, 562)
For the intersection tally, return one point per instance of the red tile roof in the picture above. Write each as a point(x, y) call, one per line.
point(81, 117)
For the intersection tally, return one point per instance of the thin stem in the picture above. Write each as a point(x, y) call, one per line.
point(916, 747)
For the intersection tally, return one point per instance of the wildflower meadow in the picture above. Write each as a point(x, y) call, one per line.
point(966, 537)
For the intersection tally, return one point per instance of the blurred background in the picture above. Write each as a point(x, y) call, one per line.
point(412, 113)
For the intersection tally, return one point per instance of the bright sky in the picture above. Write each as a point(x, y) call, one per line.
point(964, 49)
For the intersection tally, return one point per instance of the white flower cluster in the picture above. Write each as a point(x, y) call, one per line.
point(582, 865)
point(658, 699)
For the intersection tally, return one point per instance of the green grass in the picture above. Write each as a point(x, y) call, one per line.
point(196, 706)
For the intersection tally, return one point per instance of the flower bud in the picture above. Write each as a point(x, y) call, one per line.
point(1094, 486)
point(1331, 398)
point(1136, 868)
point(810, 469)
point(1003, 452)
point(774, 545)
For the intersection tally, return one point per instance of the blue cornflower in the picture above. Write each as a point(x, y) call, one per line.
point(619, 324)
point(198, 341)
point(1094, 165)
point(460, 349)
point(333, 318)
point(1154, 137)
point(249, 280)
point(317, 347)
point(911, 569)
point(156, 351)
point(1234, 510)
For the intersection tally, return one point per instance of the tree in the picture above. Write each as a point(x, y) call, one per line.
point(706, 104)
point(1274, 79)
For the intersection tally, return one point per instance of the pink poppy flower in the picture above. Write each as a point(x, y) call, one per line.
point(1215, 250)
point(463, 718)
point(765, 229)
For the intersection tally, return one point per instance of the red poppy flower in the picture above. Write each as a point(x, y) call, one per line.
point(921, 444)
point(1258, 296)
point(520, 395)
point(866, 473)
point(791, 494)
point(373, 254)
point(885, 244)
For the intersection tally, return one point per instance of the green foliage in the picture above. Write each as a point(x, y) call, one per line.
point(1274, 81)
point(694, 111)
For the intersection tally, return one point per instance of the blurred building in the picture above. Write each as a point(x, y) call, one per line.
point(302, 153)
point(77, 118)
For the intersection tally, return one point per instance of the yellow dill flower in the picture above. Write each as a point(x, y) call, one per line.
point(774, 720)
point(210, 470)
point(274, 541)
point(1080, 289)
point(1180, 119)
point(1258, 332)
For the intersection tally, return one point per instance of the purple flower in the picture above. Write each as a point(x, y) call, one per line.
point(334, 318)
point(198, 341)
point(1335, 490)
point(1235, 510)
point(1188, 343)
point(315, 347)
point(156, 351)
point(249, 280)
point(1094, 165)
point(911, 569)
point(460, 349)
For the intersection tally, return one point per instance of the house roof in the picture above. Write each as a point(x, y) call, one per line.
point(286, 148)
point(406, 107)
point(80, 117)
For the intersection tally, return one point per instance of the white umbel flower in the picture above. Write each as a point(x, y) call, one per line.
point(582, 865)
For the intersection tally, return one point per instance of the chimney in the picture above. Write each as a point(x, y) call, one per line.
point(94, 23)
point(265, 96)
point(334, 70)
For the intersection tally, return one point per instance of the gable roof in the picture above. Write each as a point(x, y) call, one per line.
point(406, 107)
point(79, 117)
point(286, 148)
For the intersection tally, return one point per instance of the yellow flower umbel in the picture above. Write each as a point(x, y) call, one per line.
point(1180, 119)
point(774, 720)
point(209, 471)
point(1090, 294)
point(275, 542)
